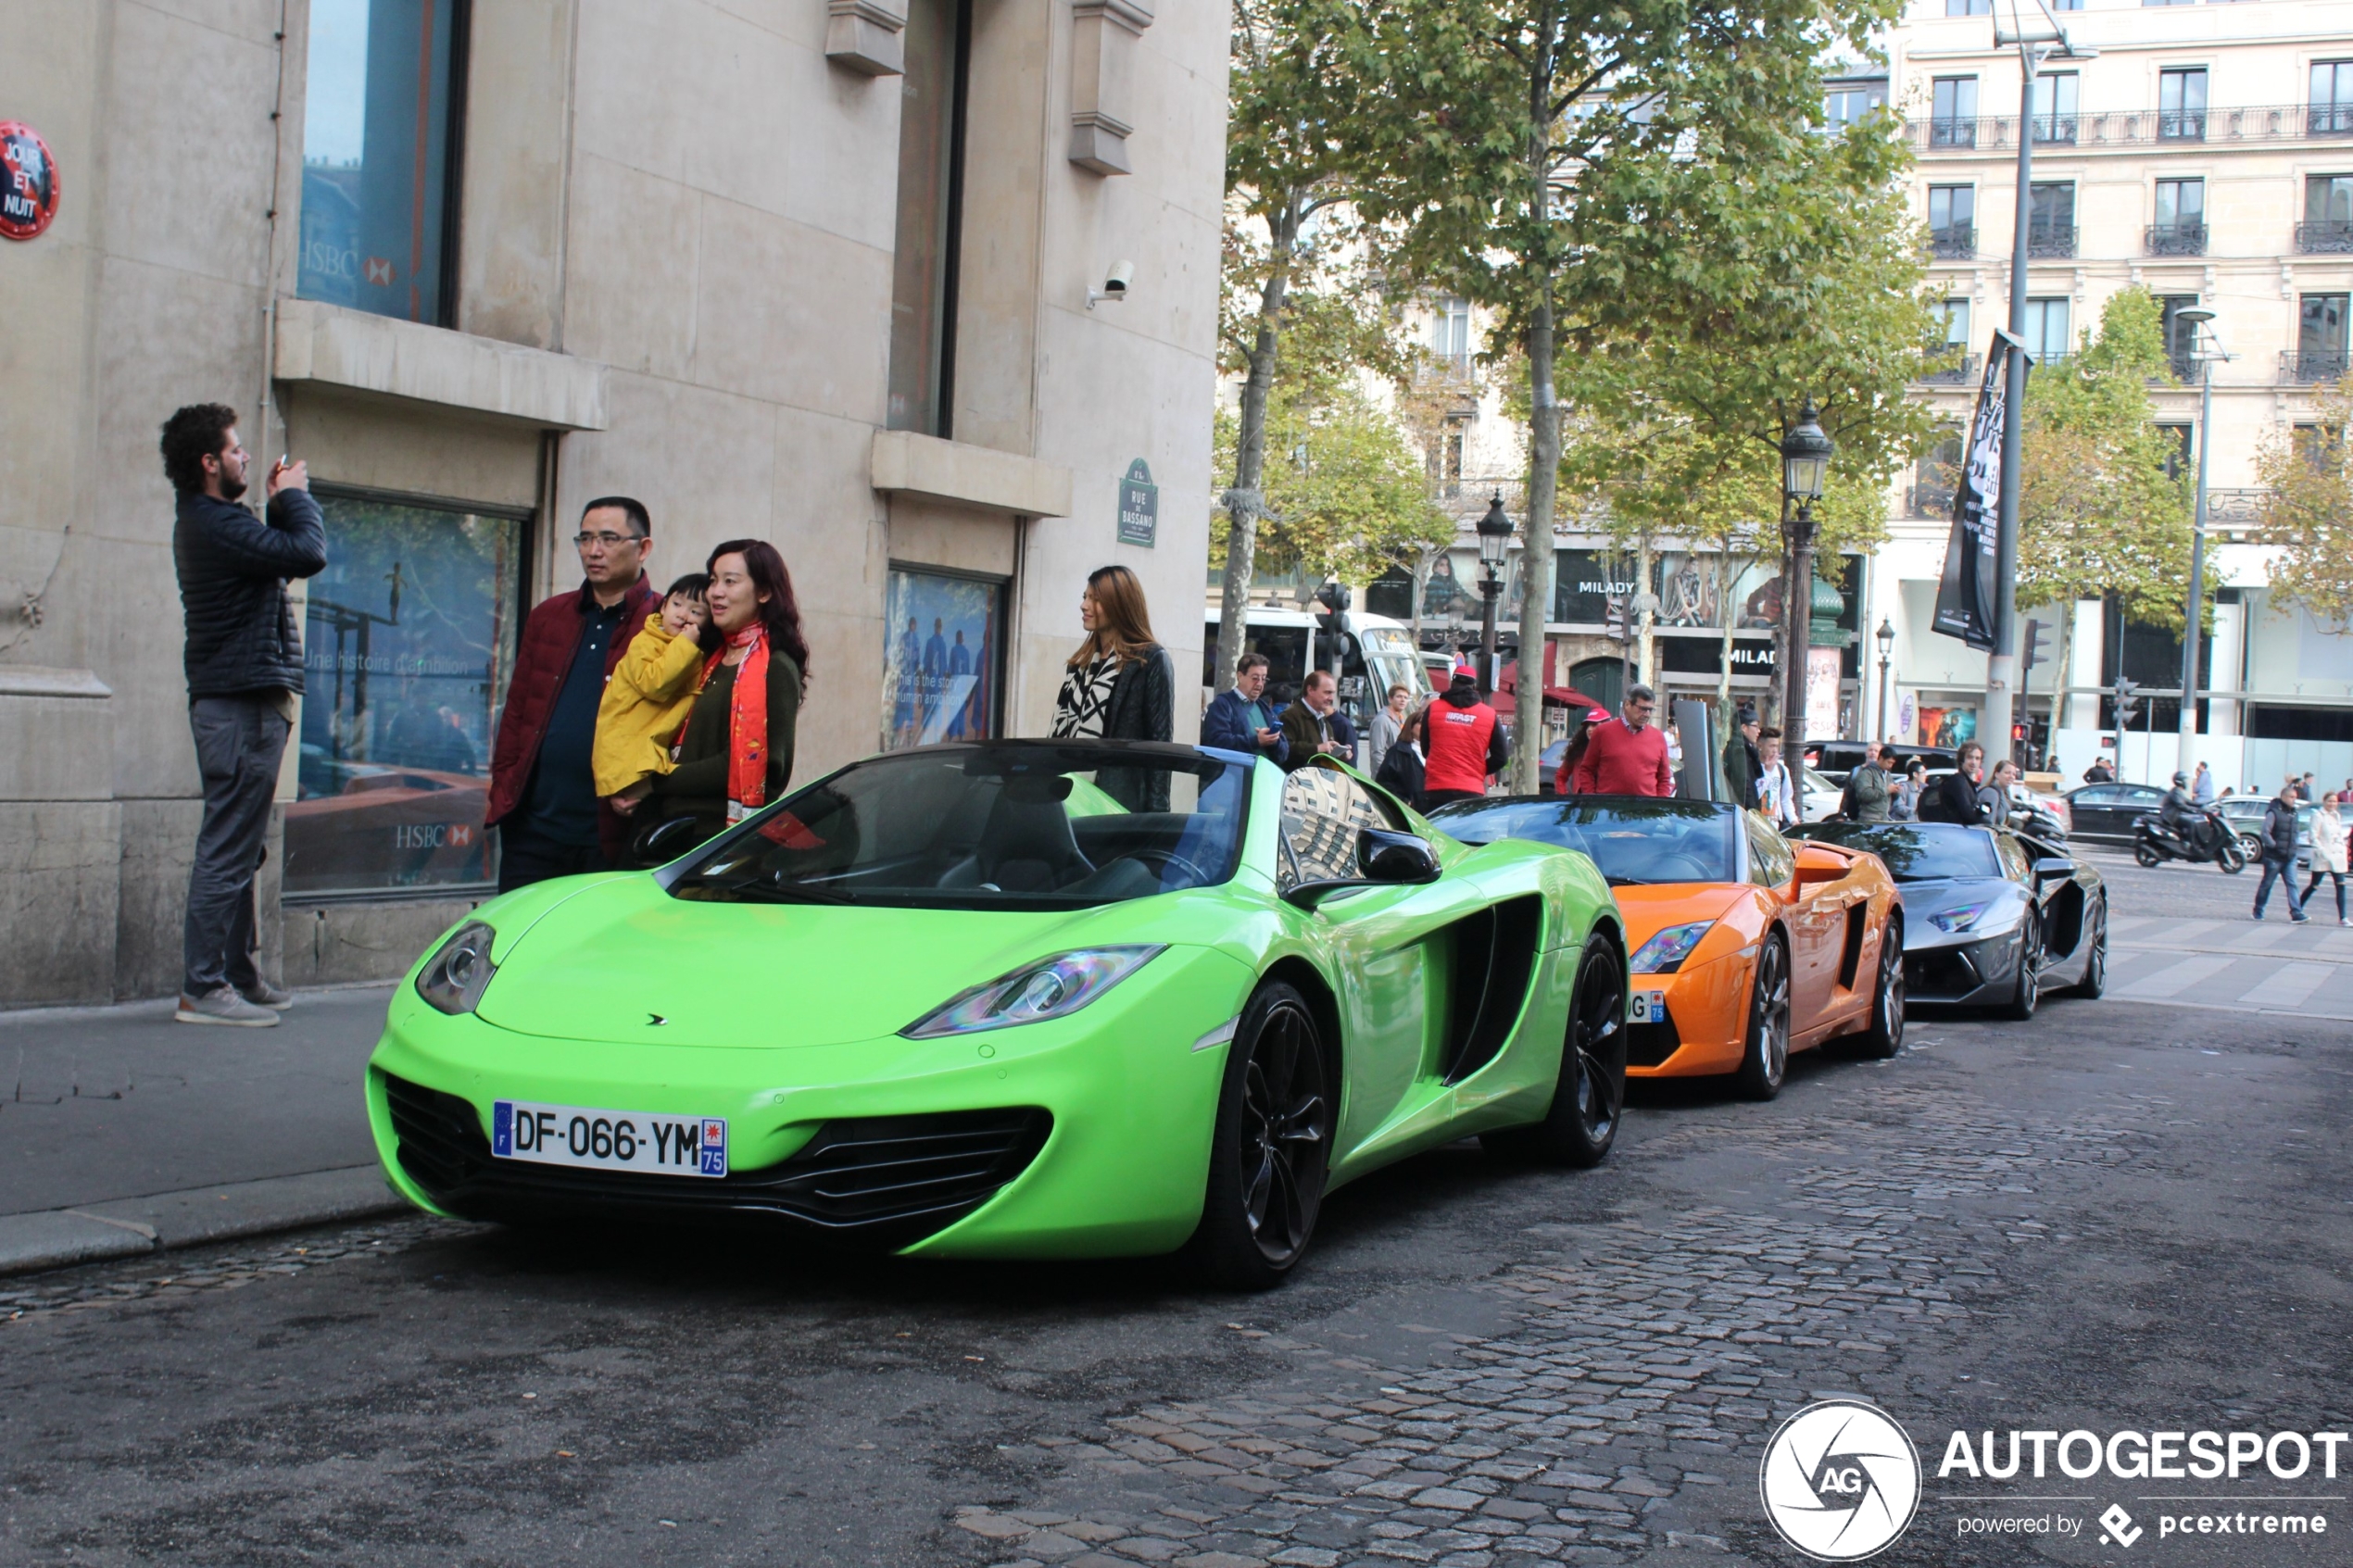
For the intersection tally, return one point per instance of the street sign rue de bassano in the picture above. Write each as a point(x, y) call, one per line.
point(1139, 507)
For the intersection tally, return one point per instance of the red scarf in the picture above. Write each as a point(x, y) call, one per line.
point(746, 720)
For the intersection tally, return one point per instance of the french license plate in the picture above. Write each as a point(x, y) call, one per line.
point(609, 1140)
point(1646, 1007)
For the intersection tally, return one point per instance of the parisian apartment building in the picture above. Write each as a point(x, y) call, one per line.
point(924, 292)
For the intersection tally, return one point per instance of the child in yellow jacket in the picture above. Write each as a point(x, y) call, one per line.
point(649, 694)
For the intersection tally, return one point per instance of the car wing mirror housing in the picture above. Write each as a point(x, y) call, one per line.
point(1384, 858)
point(2052, 866)
point(1816, 865)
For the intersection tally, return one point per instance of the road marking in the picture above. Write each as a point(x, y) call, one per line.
point(2346, 1016)
point(2307, 956)
point(2176, 979)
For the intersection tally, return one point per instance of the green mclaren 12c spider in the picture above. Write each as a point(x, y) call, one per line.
point(1015, 999)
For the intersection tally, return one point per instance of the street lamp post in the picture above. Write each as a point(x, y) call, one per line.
point(2202, 333)
point(1805, 463)
point(1885, 637)
point(2001, 664)
point(1494, 541)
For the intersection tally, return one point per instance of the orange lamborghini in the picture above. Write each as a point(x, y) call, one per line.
point(1746, 946)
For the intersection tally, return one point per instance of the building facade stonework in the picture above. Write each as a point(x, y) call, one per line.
point(824, 274)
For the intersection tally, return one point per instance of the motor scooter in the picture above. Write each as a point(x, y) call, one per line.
point(2203, 837)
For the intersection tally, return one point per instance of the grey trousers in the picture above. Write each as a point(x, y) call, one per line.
point(239, 742)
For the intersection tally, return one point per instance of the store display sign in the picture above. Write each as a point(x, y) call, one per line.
point(941, 664)
point(28, 181)
point(1139, 505)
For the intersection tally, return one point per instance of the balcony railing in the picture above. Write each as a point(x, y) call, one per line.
point(1955, 241)
point(1947, 369)
point(2128, 128)
point(2333, 237)
point(2049, 243)
point(2176, 239)
point(2303, 365)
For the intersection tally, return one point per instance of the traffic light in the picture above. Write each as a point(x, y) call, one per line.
point(1331, 623)
point(2128, 702)
point(2037, 648)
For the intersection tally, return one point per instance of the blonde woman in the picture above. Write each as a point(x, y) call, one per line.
point(1120, 684)
point(2329, 852)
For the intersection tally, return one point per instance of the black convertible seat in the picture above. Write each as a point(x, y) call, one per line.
point(882, 1181)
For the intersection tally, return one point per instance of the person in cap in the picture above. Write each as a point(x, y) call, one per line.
point(1463, 744)
point(1744, 764)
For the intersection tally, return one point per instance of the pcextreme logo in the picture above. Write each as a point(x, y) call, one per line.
point(1840, 1480)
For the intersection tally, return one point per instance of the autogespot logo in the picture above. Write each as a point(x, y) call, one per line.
point(1839, 1480)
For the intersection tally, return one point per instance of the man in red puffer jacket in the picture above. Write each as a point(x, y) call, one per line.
point(1465, 742)
point(1626, 755)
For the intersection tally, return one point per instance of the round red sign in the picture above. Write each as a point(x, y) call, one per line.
point(28, 181)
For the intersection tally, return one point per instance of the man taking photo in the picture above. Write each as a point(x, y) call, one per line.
point(244, 659)
point(543, 791)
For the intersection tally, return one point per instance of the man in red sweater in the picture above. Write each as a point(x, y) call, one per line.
point(1624, 756)
point(1464, 744)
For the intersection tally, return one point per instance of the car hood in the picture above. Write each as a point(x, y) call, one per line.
point(606, 963)
point(1922, 899)
point(1649, 910)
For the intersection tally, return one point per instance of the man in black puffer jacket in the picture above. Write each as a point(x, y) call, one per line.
point(244, 659)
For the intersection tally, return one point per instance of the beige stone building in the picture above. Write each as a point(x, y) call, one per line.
point(831, 272)
point(2206, 153)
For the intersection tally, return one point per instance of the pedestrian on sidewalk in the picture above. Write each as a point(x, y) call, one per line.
point(1463, 744)
point(1627, 755)
point(1388, 724)
point(2202, 786)
point(542, 787)
point(1960, 797)
point(1403, 770)
point(736, 748)
point(2100, 772)
point(2278, 838)
point(1119, 684)
point(1313, 726)
point(1903, 801)
point(1744, 762)
point(649, 695)
point(1777, 789)
point(1237, 718)
point(1868, 787)
point(243, 661)
point(2328, 852)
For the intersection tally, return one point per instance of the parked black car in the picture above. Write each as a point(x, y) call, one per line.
point(1992, 919)
point(2107, 811)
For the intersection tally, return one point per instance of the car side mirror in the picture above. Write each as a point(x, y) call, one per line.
point(1816, 865)
point(2052, 866)
point(668, 840)
point(1384, 858)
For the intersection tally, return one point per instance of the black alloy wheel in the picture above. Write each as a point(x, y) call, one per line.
point(2022, 1002)
point(1590, 1094)
point(2095, 982)
point(1271, 1149)
point(1766, 1061)
point(1885, 1036)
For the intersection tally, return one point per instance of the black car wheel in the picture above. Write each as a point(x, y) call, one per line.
point(1582, 1122)
point(1271, 1148)
point(1885, 1036)
point(2030, 970)
point(1766, 1061)
point(2095, 982)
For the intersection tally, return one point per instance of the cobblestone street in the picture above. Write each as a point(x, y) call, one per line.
point(2120, 1215)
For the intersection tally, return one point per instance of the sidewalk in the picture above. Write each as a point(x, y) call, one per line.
point(123, 1132)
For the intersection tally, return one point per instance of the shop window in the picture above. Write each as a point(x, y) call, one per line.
point(942, 668)
point(931, 181)
point(408, 642)
point(380, 148)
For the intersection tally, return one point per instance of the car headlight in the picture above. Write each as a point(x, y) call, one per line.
point(455, 977)
point(1667, 949)
point(1054, 988)
point(1959, 919)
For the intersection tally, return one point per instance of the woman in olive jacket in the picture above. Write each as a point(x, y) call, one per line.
point(1120, 684)
point(735, 751)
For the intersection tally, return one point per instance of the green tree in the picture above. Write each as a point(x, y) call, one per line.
point(1345, 494)
point(1303, 74)
point(2099, 513)
point(2308, 510)
point(1599, 169)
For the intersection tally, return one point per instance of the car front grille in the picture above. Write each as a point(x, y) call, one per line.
point(1940, 971)
point(882, 1181)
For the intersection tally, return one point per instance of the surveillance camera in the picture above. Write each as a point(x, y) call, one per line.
point(1121, 274)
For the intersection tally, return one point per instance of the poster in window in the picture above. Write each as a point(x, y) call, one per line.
point(407, 641)
point(942, 660)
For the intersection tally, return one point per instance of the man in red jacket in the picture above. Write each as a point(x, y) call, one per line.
point(543, 796)
point(1465, 742)
point(1625, 755)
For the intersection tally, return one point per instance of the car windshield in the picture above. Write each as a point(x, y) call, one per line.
point(1019, 825)
point(1914, 852)
point(1632, 841)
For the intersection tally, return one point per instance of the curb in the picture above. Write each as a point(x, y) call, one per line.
point(128, 1227)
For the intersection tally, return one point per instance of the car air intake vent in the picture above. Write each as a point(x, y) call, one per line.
point(1494, 959)
point(885, 1180)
